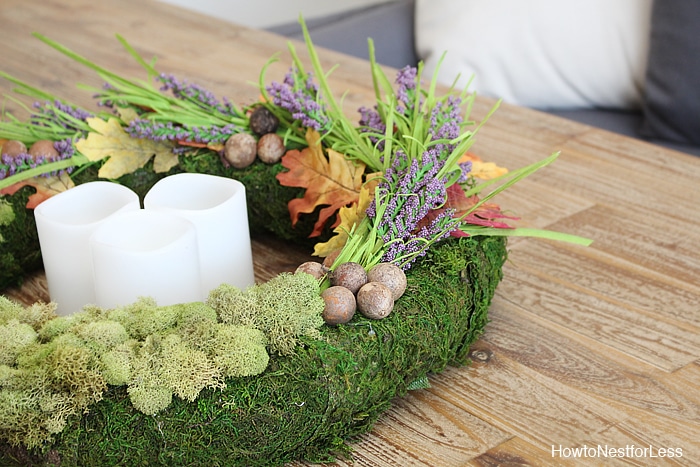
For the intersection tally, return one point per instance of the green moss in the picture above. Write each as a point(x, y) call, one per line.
point(240, 350)
point(7, 215)
point(307, 404)
point(285, 308)
point(19, 250)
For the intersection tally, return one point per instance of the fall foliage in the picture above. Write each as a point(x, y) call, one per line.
point(126, 154)
point(332, 181)
point(46, 187)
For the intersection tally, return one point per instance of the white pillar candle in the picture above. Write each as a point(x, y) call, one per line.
point(145, 254)
point(64, 223)
point(217, 208)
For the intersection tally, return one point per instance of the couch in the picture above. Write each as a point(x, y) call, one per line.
point(660, 103)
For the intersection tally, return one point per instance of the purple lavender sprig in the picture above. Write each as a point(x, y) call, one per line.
point(169, 131)
point(197, 94)
point(409, 191)
point(446, 123)
point(67, 116)
point(298, 94)
point(11, 165)
point(371, 122)
point(407, 85)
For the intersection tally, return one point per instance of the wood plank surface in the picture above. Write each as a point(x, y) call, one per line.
point(586, 347)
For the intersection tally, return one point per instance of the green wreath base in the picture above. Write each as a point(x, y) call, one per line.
point(304, 406)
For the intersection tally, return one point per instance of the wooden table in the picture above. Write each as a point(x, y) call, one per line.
point(586, 346)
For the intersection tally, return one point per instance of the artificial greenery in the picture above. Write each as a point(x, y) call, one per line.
point(253, 377)
point(53, 367)
point(306, 404)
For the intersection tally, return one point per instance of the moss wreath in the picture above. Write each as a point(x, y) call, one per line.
point(306, 404)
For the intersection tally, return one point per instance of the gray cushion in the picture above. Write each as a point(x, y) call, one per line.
point(390, 25)
point(672, 88)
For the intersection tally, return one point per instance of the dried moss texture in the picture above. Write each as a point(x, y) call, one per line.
point(309, 403)
point(305, 405)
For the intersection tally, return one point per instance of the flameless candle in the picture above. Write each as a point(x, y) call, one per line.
point(64, 223)
point(217, 208)
point(146, 254)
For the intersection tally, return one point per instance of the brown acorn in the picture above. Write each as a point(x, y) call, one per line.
point(374, 300)
point(240, 150)
point(350, 275)
point(339, 306)
point(262, 121)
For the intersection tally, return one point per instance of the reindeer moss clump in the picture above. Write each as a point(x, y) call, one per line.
point(285, 308)
point(54, 367)
point(305, 404)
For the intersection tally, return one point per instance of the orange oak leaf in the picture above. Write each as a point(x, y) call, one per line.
point(332, 181)
point(349, 216)
point(45, 187)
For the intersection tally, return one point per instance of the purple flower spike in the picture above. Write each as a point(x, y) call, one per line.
point(298, 94)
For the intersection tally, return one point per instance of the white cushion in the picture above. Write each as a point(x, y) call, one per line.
point(540, 53)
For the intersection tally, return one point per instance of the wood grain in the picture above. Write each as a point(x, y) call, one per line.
point(586, 346)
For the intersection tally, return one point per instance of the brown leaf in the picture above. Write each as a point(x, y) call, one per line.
point(46, 187)
point(332, 181)
point(349, 216)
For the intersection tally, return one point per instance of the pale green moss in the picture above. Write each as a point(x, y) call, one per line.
point(38, 314)
point(144, 317)
point(150, 399)
point(290, 306)
point(6, 374)
point(285, 308)
point(9, 310)
point(14, 338)
point(74, 369)
point(116, 364)
point(233, 305)
point(102, 335)
point(197, 324)
point(186, 371)
point(55, 327)
point(240, 350)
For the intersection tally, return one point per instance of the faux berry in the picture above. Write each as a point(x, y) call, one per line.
point(240, 150)
point(43, 147)
point(312, 267)
point(374, 300)
point(339, 306)
point(350, 275)
point(13, 148)
point(271, 148)
point(390, 275)
point(262, 121)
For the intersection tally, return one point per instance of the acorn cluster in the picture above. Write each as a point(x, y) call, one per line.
point(352, 289)
point(241, 149)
